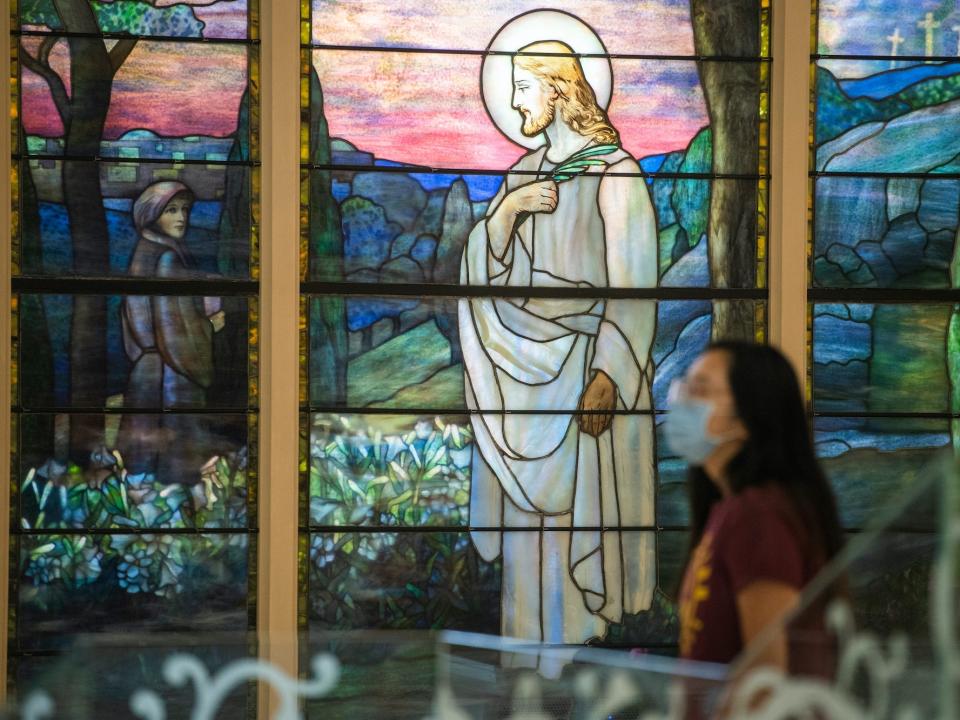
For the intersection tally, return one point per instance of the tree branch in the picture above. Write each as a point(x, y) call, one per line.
point(57, 89)
point(120, 51)
point(45, 47)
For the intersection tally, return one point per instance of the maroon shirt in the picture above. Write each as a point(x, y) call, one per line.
point(753, 536)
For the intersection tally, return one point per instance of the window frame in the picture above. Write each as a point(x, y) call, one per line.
point(278, 602)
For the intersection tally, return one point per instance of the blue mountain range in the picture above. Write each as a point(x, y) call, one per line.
point(889, 83)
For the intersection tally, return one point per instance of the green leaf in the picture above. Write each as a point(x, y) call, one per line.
point(595, 150)
point(400, 472)
point(356, 488)
point(47, 489)
point(93, 499)
point(30, 483)
point(400, 499)
point(580, 164)
point(113, 496)
point(42, 549)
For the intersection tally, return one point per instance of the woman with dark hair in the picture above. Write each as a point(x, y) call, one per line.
point(763, 516)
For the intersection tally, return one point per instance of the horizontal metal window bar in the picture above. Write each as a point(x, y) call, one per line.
point(883, 296)
point(239, 412)
point(319, 408)
point(125, 285)
point(67, 34)
point(885, 58)
point(73, 532)
point(114, 160)
point(245, 411)
point(883, 176)
point(441, 291)
point(361, 410)
point(140, 643)
point(425, 170)
point(435, 529)
point(141, 646)
point(752, 59)
point(887, 415)
point(658, 529)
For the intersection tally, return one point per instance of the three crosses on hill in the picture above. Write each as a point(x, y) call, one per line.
point(929, 25)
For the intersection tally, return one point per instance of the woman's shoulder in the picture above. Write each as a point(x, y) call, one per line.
point(761, 508)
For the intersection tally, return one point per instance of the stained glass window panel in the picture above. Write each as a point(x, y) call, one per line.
point(884, 160)
point(407, 352)
point(904, 235)
point(138, 341)
point(411, 228)
point(156, 470)
point(75, 584)
point(873, 460)
point(659, 110)
point(135, 255)
point(211, 95)
point(389, 580)
point(667, 28)
point(421, 161)
point(884, 358)
point(848, 27)
point(218, 240)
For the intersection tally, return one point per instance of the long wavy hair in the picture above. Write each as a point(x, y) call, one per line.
point(577, 103)
point(779, 449)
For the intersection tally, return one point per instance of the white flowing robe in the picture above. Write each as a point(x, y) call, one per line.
point(565, 576)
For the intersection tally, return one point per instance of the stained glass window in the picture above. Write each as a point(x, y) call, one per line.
point(518, 226)
point(885, 179)
point(135, 258)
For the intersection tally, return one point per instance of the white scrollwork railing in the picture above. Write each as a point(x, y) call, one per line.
point(210, 691)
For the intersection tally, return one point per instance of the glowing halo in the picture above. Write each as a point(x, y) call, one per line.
point(496, 73)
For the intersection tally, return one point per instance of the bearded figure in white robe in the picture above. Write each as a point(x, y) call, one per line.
point(552, 492)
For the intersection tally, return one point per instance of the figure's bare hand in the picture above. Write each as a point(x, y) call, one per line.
point(599, 400)
point(536, 197)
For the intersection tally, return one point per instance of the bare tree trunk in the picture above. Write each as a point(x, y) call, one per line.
point(92, 68)
point(92, 76)
point(36, 363)
point(731, 28)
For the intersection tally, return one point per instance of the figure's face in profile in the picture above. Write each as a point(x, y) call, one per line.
point(175, 217)
point(533, 100)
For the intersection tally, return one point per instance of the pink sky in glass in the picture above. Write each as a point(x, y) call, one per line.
point(426, 108)
point(174, 89)
point(659, 27)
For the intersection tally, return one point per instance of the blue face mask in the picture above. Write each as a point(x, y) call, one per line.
point(685, 430)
